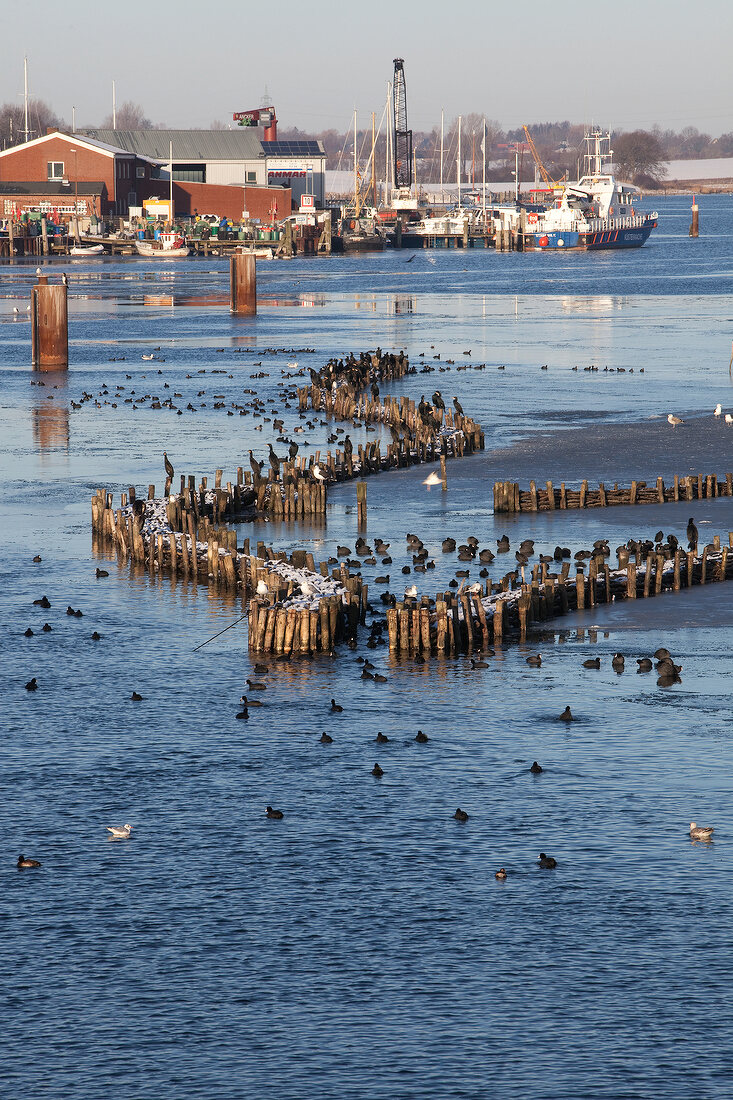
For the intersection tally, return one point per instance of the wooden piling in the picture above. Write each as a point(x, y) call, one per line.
point(49, 326)
point(243, 284)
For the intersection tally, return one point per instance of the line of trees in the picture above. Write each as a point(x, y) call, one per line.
point(640, 155)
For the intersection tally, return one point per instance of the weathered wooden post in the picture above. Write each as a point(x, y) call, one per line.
point(243, 284)
point(443, 474)
point(695, 226)
point(361, 502)
point(49, 326)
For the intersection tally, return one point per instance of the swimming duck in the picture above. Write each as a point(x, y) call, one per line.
point(700, 832)
point(500, 874)
point(645, 665)
point(421, 737)
point(23, 862)
point(43, 602)
point(566, 715)
point(592, 662)
point(29, 633)
point(381, 738)
point(335, 708)
point(96, 636)
point(547, 863)
point(325, 738)
point(617, 662)
point(535, 661)
point(253, 685)
point(536, 768)
point(250, 702)
point(377, 772)
point(32, 685)
point(276, 815)
point(460, 815)
point(135, 697)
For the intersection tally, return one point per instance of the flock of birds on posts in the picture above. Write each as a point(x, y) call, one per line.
point(355, 372)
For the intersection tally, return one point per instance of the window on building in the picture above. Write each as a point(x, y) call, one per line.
point(140, 173)
point(251, 177)
point(55, 169)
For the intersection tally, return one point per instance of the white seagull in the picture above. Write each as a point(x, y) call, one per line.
point(700, 832)
point(411, 591)
point(718, 409)
point(432, 479)
point(728, 419)
point(120, 832)
point(262, 589)
point(317, 473)
point(674, 420)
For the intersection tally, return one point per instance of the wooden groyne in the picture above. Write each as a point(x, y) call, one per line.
point(466, 621)
point(509, 497)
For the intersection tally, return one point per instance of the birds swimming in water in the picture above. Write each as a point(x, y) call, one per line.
point(120, 832)
point(674, 420)
point(23, 862)
point(421, 737)
point(136, 697)
point(381, 738)
point(700, 832)
point(168, 465)
point(32, 685)
point(547, 863)
point(326, 738)
point(500, 874)
point(535, 661)
point(275, 815)
point(377, 772)
point(460, 815)
point(536, 768)
point(592, 662)
point(566, 715)
point(335, 708)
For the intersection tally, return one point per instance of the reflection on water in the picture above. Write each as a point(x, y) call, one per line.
point(50, 427)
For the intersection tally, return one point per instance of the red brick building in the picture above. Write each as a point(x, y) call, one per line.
point(52, 172)
point(66, 160)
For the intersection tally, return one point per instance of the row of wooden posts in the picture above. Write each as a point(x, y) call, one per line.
point(509, 497)
point(461, 623)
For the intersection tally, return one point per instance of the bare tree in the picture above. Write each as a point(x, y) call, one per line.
point(639, 153)
point(130, 116)
point(41, 117)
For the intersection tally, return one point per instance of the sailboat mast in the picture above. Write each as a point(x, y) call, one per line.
point(25, 94)
point(374, 163)
point(356, 171)
point(442, 123)
point(458, 160)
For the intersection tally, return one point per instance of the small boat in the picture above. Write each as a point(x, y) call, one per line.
point(169, 246)
point(90, 250)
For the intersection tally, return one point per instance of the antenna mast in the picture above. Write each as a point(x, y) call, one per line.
point(402, 136)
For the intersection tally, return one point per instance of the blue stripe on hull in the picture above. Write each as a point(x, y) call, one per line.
point(607, 238)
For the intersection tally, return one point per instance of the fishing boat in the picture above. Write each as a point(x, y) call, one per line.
point(597, 212)
point(88, 250)
point(168, 246)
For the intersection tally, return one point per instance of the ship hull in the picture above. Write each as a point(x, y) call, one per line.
point(573, 241)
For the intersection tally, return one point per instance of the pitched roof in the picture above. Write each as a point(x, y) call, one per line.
point(188, 145)
point(75, 138)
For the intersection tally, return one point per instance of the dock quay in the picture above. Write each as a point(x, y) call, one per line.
point(510, 498)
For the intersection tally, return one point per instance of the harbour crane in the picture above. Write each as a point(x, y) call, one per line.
point(548, 180)
point(402, 136)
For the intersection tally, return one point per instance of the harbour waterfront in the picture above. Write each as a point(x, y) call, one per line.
point(361, 946)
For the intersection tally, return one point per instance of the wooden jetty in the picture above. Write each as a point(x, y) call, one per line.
point(509, 497)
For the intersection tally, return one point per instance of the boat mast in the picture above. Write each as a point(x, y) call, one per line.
point(170, 209)
point(374, 164)
point(458, 161)
point(483, 178)
point(442, 113)
point(388, 181)
point(356, 172)
point(25, 95)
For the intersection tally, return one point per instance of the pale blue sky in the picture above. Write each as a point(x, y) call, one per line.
point(621, 63)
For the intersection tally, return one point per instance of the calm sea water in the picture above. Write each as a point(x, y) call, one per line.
point(361, 947)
